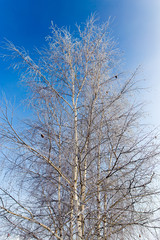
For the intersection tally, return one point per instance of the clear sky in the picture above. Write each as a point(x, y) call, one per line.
point(135, 27)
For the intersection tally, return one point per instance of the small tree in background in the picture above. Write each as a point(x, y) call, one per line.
point(83, 164)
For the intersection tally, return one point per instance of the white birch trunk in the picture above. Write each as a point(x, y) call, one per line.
point(98, 193)
point(76, 200)
point(59, 187)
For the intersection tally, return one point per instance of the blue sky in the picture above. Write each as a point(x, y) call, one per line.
point(135, 26)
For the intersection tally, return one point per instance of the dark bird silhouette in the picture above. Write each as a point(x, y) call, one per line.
point(42, 136)
point(116, 76)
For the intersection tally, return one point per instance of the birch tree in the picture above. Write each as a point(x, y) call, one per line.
point(84, 163)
